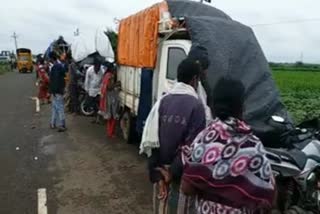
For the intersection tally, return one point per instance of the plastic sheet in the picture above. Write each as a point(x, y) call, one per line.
point(103, 45)
point(138, 37)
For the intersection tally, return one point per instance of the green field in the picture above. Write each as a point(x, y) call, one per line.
point(300, 92)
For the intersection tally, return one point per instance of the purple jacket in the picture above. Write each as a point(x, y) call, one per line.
point(182, 117)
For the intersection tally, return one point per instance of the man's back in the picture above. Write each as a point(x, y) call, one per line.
point(57, 81)
point(182, 117)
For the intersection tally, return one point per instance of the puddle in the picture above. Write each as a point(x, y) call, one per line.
point(46, 140)
point(47, 145)
point(49, 149)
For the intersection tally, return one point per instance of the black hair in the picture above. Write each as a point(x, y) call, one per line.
point(96, 62)
point(228, 97)
point(187, 70)
point(41, 60)
point(200, 53)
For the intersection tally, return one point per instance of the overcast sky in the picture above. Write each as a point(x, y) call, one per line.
point(38, 22)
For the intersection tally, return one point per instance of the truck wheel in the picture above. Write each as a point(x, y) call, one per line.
point(125, 125)
point(128, 128)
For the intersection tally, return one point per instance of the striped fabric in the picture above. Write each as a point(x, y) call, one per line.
point(175, 203)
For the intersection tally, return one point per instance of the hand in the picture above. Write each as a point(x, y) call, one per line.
point(165, 174)
point(163, 190)
point(187, 189)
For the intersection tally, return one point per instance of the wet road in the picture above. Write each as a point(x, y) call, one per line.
point(80, 170)
point(19, 172)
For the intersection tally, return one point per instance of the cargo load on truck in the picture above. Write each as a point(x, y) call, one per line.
point(232, 47)
point(89, 44)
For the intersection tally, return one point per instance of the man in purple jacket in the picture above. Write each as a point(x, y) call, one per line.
point(181, 118)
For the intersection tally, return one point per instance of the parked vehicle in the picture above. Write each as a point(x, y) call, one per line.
point(153, 42)
point(5, 59)
point(24, 60)
point(174, 46)
point(297, 171)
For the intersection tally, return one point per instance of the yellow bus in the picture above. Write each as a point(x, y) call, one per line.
point(24, 60)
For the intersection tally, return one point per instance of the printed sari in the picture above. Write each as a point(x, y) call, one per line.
point(227, 168)
point(103, 96)
point(43, 83)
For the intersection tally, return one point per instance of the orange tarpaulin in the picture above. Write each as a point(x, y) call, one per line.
point(137, 44)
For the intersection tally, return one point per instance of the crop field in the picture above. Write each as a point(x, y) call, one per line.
point(300, 92)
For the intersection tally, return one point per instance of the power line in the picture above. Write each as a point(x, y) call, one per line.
point(286, 22)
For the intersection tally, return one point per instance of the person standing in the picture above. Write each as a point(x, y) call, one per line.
point(174, 121)
point(57, 88)
point(226, 167)
point(200, 54)
point(92, 85)
point(109, 101)
point(43, 80)
point(73, 88)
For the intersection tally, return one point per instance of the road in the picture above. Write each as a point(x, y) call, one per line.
point(79, 171)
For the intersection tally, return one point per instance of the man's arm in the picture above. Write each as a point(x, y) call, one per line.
point(153, 163)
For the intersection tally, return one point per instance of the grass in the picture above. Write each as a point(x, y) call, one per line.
point(300, 92)
point(4, 68)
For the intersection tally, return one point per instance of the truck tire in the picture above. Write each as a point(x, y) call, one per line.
point(128, 128)
point(125, 125)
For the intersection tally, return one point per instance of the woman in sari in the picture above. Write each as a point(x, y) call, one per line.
point(226, 165)
point(43, 80)
point(109, 101)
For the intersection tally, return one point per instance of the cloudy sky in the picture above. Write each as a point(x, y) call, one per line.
point(294, 33)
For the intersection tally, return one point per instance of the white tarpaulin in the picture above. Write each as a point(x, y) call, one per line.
point(86, 44)
point(82, 46)
point(103, 45)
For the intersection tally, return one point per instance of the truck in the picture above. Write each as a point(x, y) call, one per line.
point(24, 60)
point(153, 42)
point(173, 47)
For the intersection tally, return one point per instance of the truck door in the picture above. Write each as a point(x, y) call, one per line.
point(173, 52)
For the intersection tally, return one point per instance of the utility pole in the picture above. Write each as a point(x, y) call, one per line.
point(15, 37)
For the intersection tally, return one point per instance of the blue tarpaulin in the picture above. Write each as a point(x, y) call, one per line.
point(145, 101)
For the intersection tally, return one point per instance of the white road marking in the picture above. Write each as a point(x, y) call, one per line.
point(42, 201)
point(37, 103)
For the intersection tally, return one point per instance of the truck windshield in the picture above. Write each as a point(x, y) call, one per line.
point(175, 57)
point(24, 58)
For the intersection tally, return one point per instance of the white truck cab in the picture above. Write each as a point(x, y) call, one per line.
point(170, 54)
